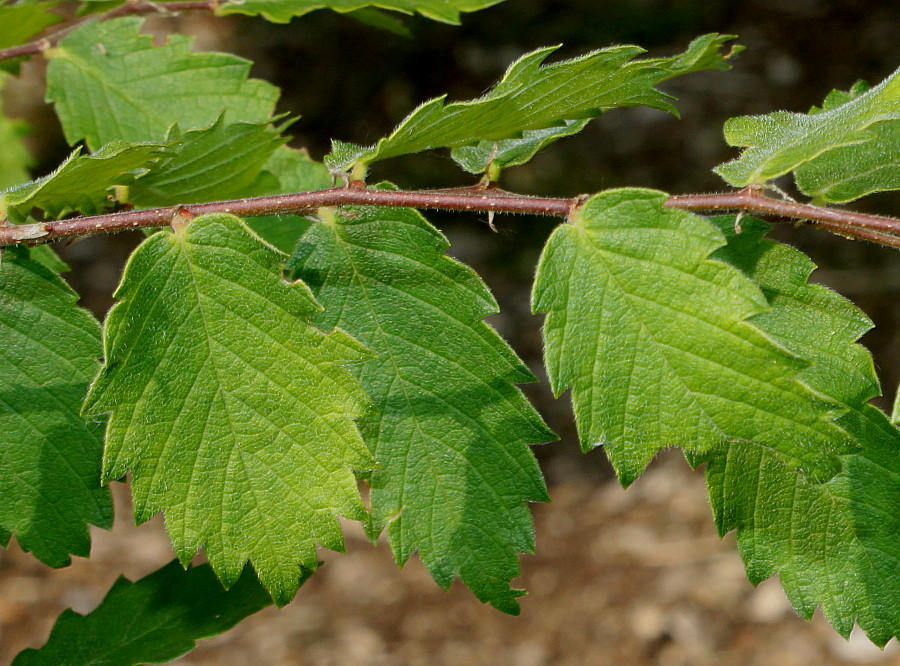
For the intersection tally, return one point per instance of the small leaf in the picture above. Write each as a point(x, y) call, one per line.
point(82, 183)
point(153, 621)
point(652, 336)
point(532, 96)
point(110, 83)
point(49, 455)
point(282, 11)
point(780, 142)
point(450, 429)
point(235, 415)
point(843, 174)
point(222, 161)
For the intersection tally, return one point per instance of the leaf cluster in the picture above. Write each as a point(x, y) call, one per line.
point(256, 371)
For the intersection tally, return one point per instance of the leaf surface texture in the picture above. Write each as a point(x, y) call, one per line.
point(780, 142)
point(450, 429)
point(651, 335)
point(234, 414)
point(536, 96)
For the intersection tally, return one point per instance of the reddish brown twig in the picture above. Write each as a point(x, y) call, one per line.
point(878, 229)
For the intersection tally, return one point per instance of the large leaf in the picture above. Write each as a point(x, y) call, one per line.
point(49, 455)
point(222, 161)
point(492, 156)
point(153, 621)
point(532, 96)
point(82, 183)
point(110, 83)
point(777, 143)
point(282, 11)
point(234, 413)
point(450, 429)
point(838, 543)
point(651, 335)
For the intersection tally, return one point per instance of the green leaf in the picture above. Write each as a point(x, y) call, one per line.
point(895, 416)
point(81, 183)
point(212, 164)
point(49, 455)
point(235, 415)
point(532, 96)
point(492, 156)
point(295, 171)
point(20, 22)
point(811, 321)
point(652, 336)
point(14, 158)
point(835, 543)
point(450, 429)
point(780, 142)
point(282, 11)
point(850, 172)
point(153, 621)
point(110, 83)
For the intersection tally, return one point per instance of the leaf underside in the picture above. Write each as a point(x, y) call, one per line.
point(450, 429)
point(833, 544)
point(536, 96)
point(651, 335)
point(153, 621)
point(82, 183)
point(49, 455)
point(253, 457)
point(780, 142)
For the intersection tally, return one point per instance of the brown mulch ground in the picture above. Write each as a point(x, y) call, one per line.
point(633, 576)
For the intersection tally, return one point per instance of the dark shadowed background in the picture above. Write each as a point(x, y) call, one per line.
point(636, 576)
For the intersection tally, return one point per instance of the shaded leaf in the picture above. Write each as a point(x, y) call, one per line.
point(109, 83)
point(780, 142)
point(49, 455)
point(833, 544)
point(153, 621)
point(14, 158)
point(236, 415)
point(532, 96)
point(450, 429)
point(82, 183)
point(651, 335)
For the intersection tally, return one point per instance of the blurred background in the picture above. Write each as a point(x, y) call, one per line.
point(636, 576)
